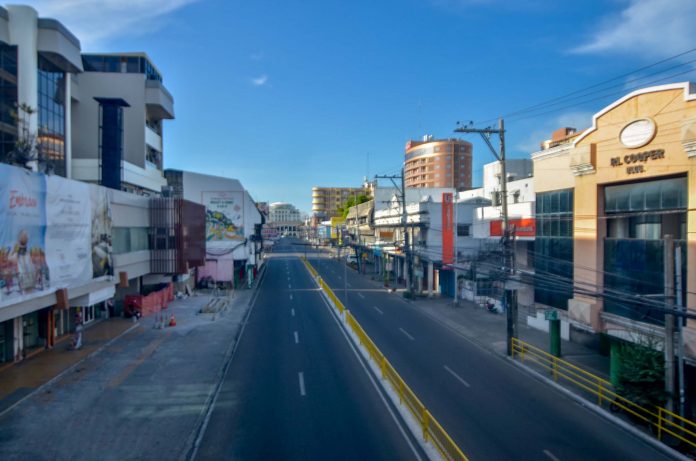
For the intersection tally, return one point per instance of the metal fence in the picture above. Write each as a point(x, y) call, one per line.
point(661, 421)
point(432, 431)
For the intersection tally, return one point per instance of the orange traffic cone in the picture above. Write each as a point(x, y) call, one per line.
point(172, 321)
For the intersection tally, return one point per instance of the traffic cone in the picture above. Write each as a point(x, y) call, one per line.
point(172, 321)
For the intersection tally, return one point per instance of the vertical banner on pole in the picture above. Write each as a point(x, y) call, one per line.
point(447, 228)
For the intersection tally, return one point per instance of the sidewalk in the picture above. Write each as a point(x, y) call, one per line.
point(19, 379)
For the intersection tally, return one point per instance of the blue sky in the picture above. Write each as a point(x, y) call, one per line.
point(288, 95)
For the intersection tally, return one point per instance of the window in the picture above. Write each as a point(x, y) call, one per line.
point(463, 230)
point(8, 100)
point(51, 112)
point(554, 248)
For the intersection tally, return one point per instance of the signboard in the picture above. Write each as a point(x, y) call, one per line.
point(551, 314)
point(637, 133)
point(224, 217)
point(524, 227)
point(447, 228)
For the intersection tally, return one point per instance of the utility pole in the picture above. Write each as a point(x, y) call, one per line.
point(669, 320)
point(404, 224)
point(486, 134)
point(680, 329)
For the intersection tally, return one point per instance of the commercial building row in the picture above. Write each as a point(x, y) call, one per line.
point(593, 226)
point(88, 214)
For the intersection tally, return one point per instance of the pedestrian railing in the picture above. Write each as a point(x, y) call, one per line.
point(660, 420)
point(432, 431)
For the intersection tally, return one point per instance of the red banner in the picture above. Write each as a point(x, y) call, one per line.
point(447, 228)
point(524, 227)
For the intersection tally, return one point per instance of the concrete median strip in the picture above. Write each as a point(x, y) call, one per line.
point(384, 386)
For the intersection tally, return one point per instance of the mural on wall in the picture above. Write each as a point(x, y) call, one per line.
point(224, 216)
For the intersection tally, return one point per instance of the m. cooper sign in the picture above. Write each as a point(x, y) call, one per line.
point(632, 159)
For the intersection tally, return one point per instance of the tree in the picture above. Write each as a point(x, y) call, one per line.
point(352, 201)
point(642, 373)
point(27, 149)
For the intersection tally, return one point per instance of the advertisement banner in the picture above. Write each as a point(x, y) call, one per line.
point(68, 230)
point(524, 227)
point(23, 269)
point(447, 228)
point(101, 247)
point(224, 218)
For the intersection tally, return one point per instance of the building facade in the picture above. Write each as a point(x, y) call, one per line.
point(607, 200)
point(285, 219)
point(233, 252)
point(438, 163)
point(121, 104)
point(327, 200)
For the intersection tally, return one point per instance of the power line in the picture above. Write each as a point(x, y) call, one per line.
point(596, 85)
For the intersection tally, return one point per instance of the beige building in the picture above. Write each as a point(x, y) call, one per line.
point(606, 199)
point(327, 200)
point(438, 163)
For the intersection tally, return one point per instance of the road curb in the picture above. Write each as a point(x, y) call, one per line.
point(603, 413)
point(68, 370)
point(193, 442)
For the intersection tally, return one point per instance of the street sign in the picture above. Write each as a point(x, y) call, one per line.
point(551, 314)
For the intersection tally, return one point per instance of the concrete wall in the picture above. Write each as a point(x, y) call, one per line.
point(85, 118)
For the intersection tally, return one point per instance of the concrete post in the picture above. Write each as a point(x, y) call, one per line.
point(431, 279)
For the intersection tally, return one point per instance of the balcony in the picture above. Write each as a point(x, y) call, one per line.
point(152, 139)
point(160, 104)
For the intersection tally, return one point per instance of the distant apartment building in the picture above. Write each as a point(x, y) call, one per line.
point(327, 200)
point(285, 218)
point(438, 163)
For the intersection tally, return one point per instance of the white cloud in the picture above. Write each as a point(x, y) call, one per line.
point(260, 80)
point(95, 21)
point(656, 28)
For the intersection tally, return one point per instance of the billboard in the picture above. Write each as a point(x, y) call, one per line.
point(524, 227)
point(447, 228)
point(48, 229)
point(23, 268)
point(224, 217)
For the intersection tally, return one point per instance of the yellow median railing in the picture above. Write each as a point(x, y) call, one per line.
point(432, 431)
point(663, 420)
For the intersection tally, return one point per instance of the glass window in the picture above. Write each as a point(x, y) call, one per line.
point(51, 112)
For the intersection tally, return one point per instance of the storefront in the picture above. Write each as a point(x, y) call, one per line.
point(628, 183)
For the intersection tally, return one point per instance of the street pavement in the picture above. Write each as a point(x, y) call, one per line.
point(492, 410)
point(296, 389)
point(141, 397)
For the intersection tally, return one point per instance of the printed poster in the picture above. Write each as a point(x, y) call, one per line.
point(68, 231)
point(224, 218)
point(23, 269)
point(101, 245)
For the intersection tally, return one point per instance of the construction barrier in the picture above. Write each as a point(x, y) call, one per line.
point(432, 431)
point(149, 304)
point(661, 420)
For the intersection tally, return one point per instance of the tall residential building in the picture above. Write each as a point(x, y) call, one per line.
point(120, 114)
point(327, 200)
point(438, 163)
